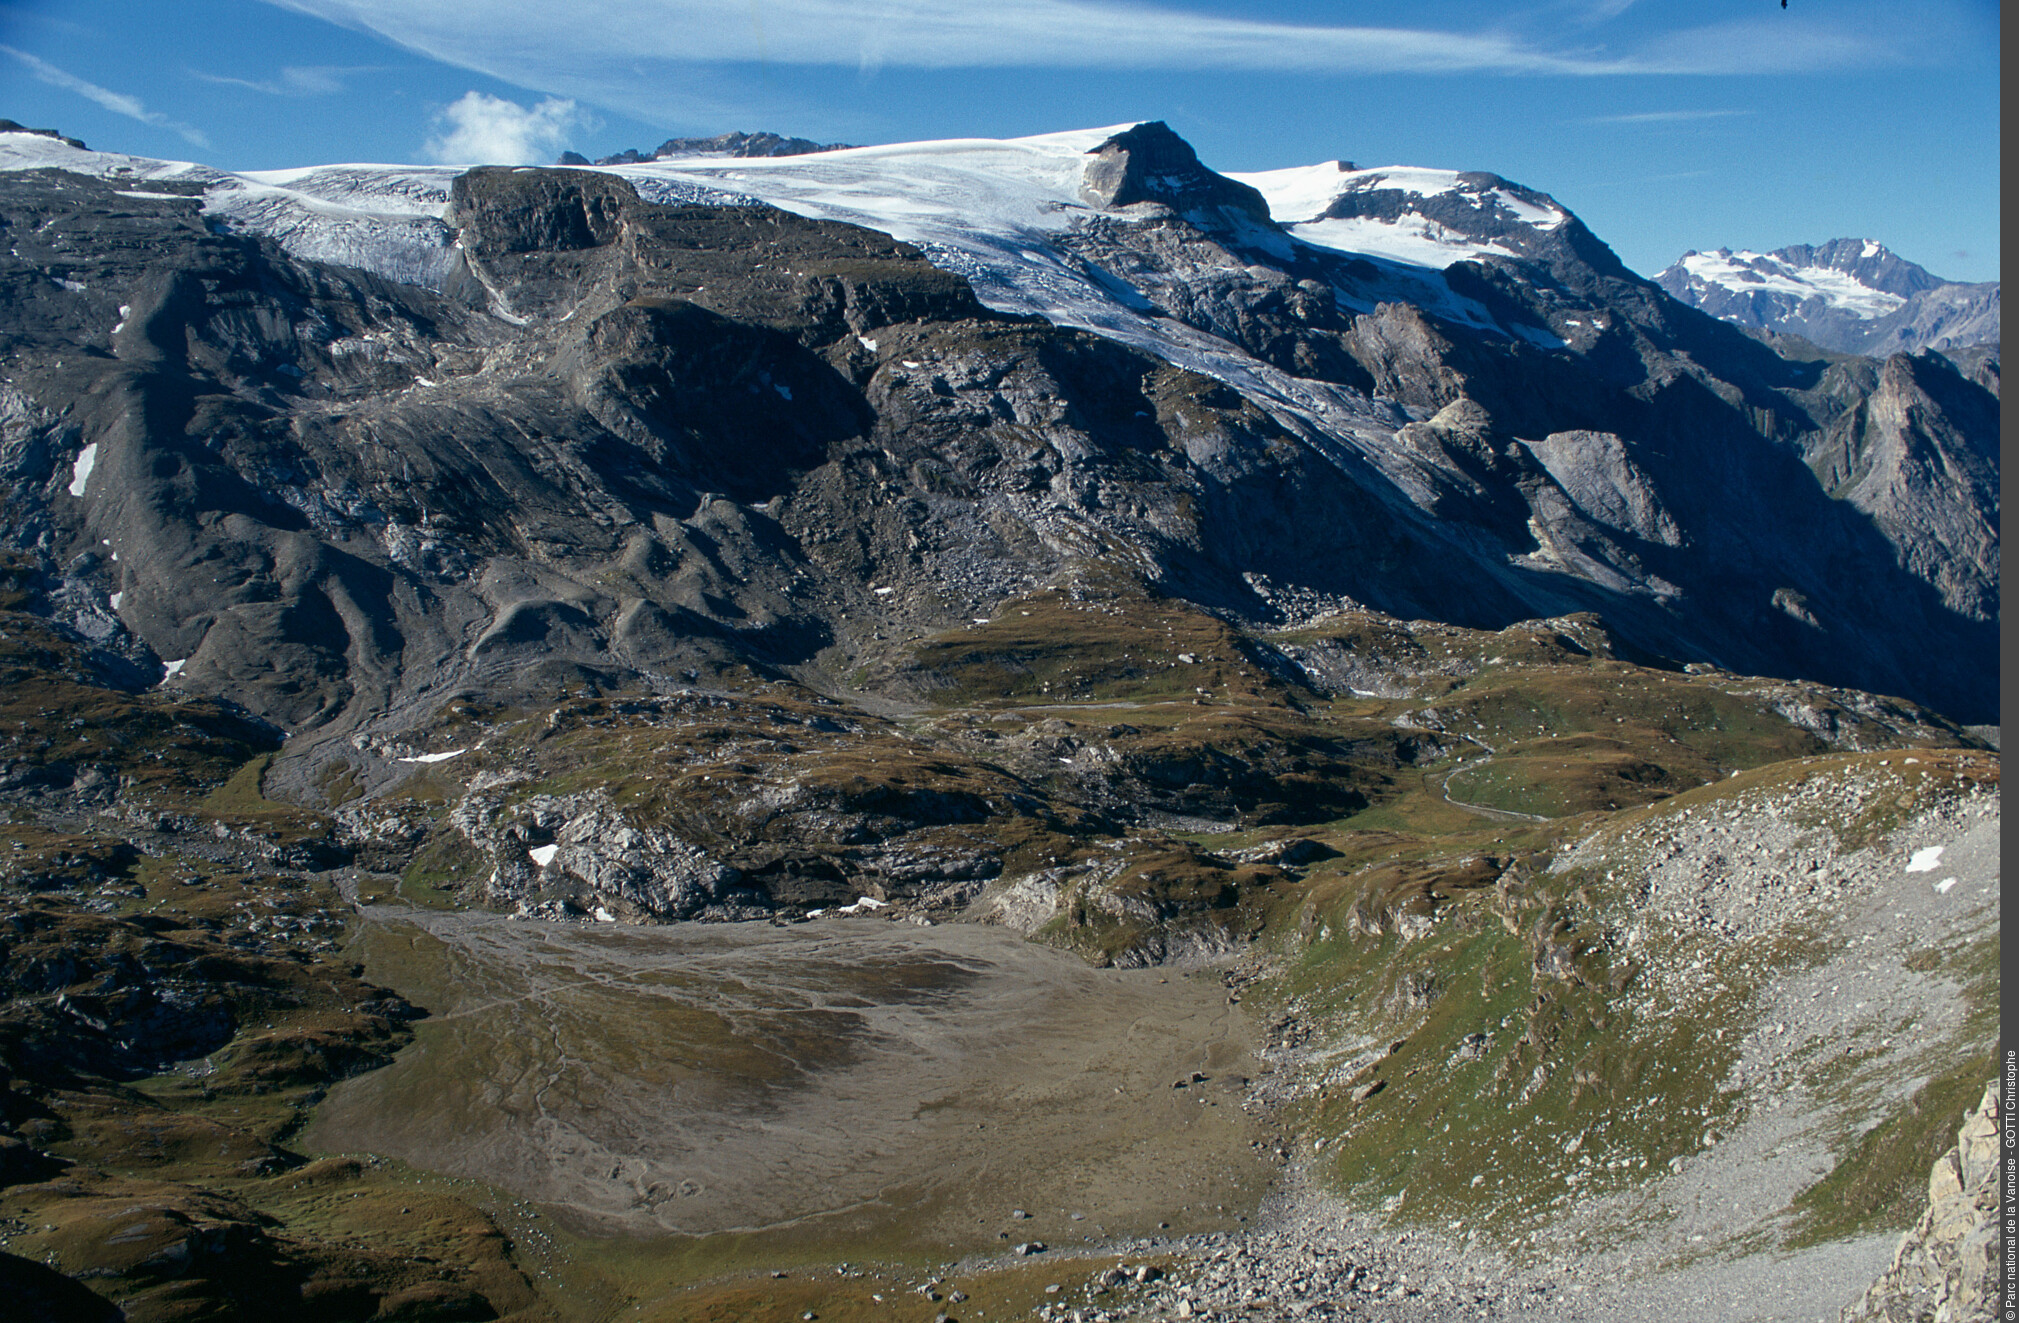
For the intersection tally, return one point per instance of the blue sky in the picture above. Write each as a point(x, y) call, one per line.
point(1666, 127)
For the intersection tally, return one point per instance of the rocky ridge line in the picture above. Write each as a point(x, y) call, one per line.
point(735, 143)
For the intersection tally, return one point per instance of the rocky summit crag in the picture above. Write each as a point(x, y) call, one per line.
point(1351, 591)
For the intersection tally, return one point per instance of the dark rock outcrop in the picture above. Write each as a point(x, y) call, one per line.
point(517, 209)
point(1150, 163)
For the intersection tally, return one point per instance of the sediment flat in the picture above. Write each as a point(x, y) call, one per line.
point(846, 1079)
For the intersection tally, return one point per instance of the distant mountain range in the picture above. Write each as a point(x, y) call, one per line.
point(1851, 295)
point(722, 144)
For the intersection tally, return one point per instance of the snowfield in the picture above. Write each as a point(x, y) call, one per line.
point(1303, 192)
point(986, 208)
point(1747, 272)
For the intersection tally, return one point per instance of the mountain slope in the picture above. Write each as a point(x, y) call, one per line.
point(453, 569)
point(1528, 431)
point(1851, 295)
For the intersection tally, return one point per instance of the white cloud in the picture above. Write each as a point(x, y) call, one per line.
point(116, 102)
point(489, 130)
point(1666, 116)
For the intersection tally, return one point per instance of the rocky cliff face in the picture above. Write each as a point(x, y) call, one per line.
point(1946, 1269)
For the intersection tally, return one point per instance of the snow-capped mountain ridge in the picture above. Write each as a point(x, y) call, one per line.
point(985, 204)
point(1469, 406)
point(721, 145)
point(1406, 214)
point(1853, 295)
point(1745, 273)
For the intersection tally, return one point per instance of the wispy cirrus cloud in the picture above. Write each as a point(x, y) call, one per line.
point(117, 102)
point(294, 80)
point(1665, 116)
point(518, 39)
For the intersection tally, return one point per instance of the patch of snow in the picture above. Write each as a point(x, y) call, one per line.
point(883, 592)
point(1942, 887)
point(80, 472)
point(1924, 861)
point(784, 391)
point(932, 191)
point(1413, 240)
point(32, 151)
point(116, 599)
point(866, 343)
point(433, 757)
point(383, 219)
point(173, 669)
point(1301, 194)
point(1529, 213)
point(862, 905)
point(543, 855)
point(1538, 335)
point(604, 916)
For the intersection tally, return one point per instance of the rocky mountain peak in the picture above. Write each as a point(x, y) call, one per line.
point(1851, 295)
point(505, 209)
point(1472, 202)
point(1867, 261)
point(1151, 163)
